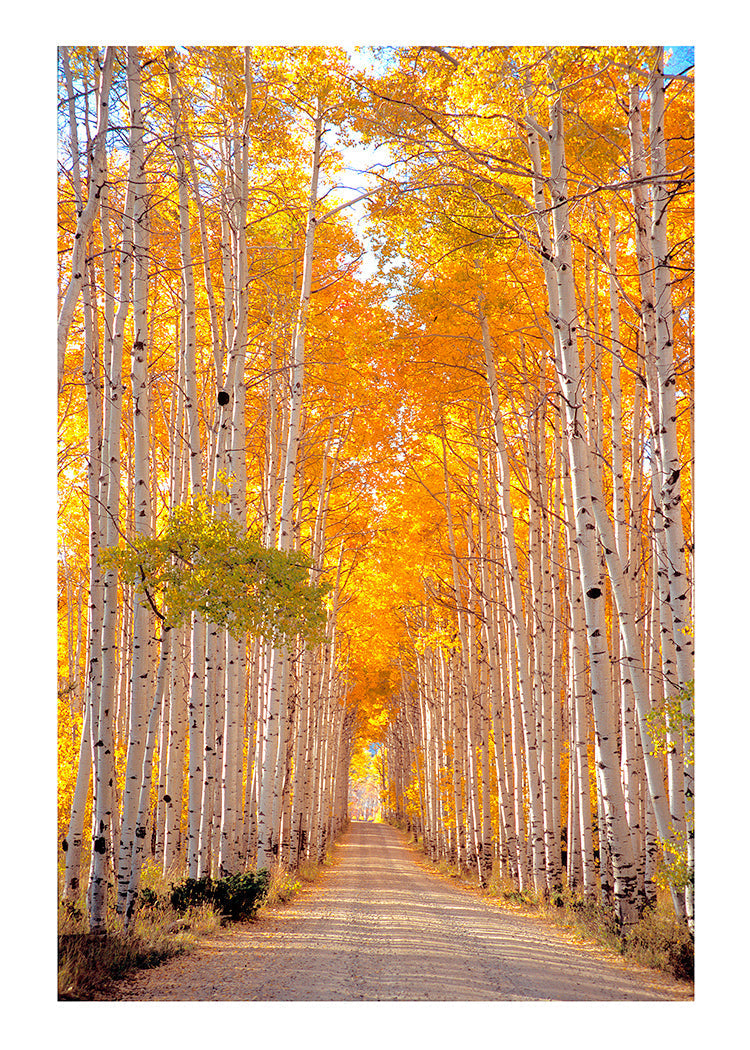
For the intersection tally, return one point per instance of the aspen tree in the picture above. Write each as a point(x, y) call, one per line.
point(266, 828)
point(73, 842)
point(105, 811)
point(141, 629)
point(486, 647)
point(568, 368)
point(466, 694)
point(556, 573)
point(197, 699)
point(212, 733)
point(87, 216)
point(493, 716)
point(175, 746)
point(459, 723)
point(668, 457)
point(250, 746)
point(540, 629)
point(518, 614)
point(503, 720)
point(231, 771)
point(144, 796)
point(179, 680)
point(578, 689)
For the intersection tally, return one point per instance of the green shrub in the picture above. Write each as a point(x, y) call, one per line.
point(239, 896)
point(236, 897)
point(192, 892)
point(148, 897)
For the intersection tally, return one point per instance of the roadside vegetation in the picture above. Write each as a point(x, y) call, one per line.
point(659, 940)
point(170, 919)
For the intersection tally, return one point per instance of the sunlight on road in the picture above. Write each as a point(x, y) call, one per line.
point(377, 927)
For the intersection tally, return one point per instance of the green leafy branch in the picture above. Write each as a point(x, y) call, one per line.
point(203, 562)
point(674, 868)
point(673, 716)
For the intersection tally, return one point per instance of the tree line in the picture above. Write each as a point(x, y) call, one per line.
point(546, 713)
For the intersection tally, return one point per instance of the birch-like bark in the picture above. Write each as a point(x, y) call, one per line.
point(579, 687)
point(487, 652)
point(297, 372)
point(668, 460)
point(633, 662)
point(86, 219)
point(141, 627)
point(301, 767)
point(144, 796)
point(196, 740)
point(285, 540)
point(568, 368)
point(217, 331)
point(629, 761)
point(73, 843)
point(188, 288)
point(177, 739)
point(175, 744)
point(198, 627)
point(212, 733)
point(465, 695)
point(536, 818)
point(503, 729)
point(457, 740)
point(558, 642)
point(105, 812)
point(250, 745)
point(541, 623)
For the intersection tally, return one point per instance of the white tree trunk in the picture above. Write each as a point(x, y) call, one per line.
point(668, 459)
point(196, 712)
point(141, 637)
point(568, 368)
point(579, 688)
point(144, 797)
point(268, 782)
point(86, 219)
point(175, 744)
point(518, 615)
point(105, 812)
point(73, 844)
point(196, 740)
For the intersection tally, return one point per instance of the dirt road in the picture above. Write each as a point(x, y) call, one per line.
point(377, 926)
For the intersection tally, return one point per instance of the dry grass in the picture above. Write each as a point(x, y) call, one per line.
point(283, 887)
point(661, 941)
point(286, 883)
point(90, 962)
point(658, 941)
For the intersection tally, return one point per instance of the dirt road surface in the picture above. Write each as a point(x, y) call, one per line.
point(378, 926)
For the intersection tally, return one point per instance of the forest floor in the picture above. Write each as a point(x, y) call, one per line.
point(377, 925)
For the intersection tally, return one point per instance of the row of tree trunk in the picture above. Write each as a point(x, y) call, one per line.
point(542, 725)
point(526, 733)
point(207, 752)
